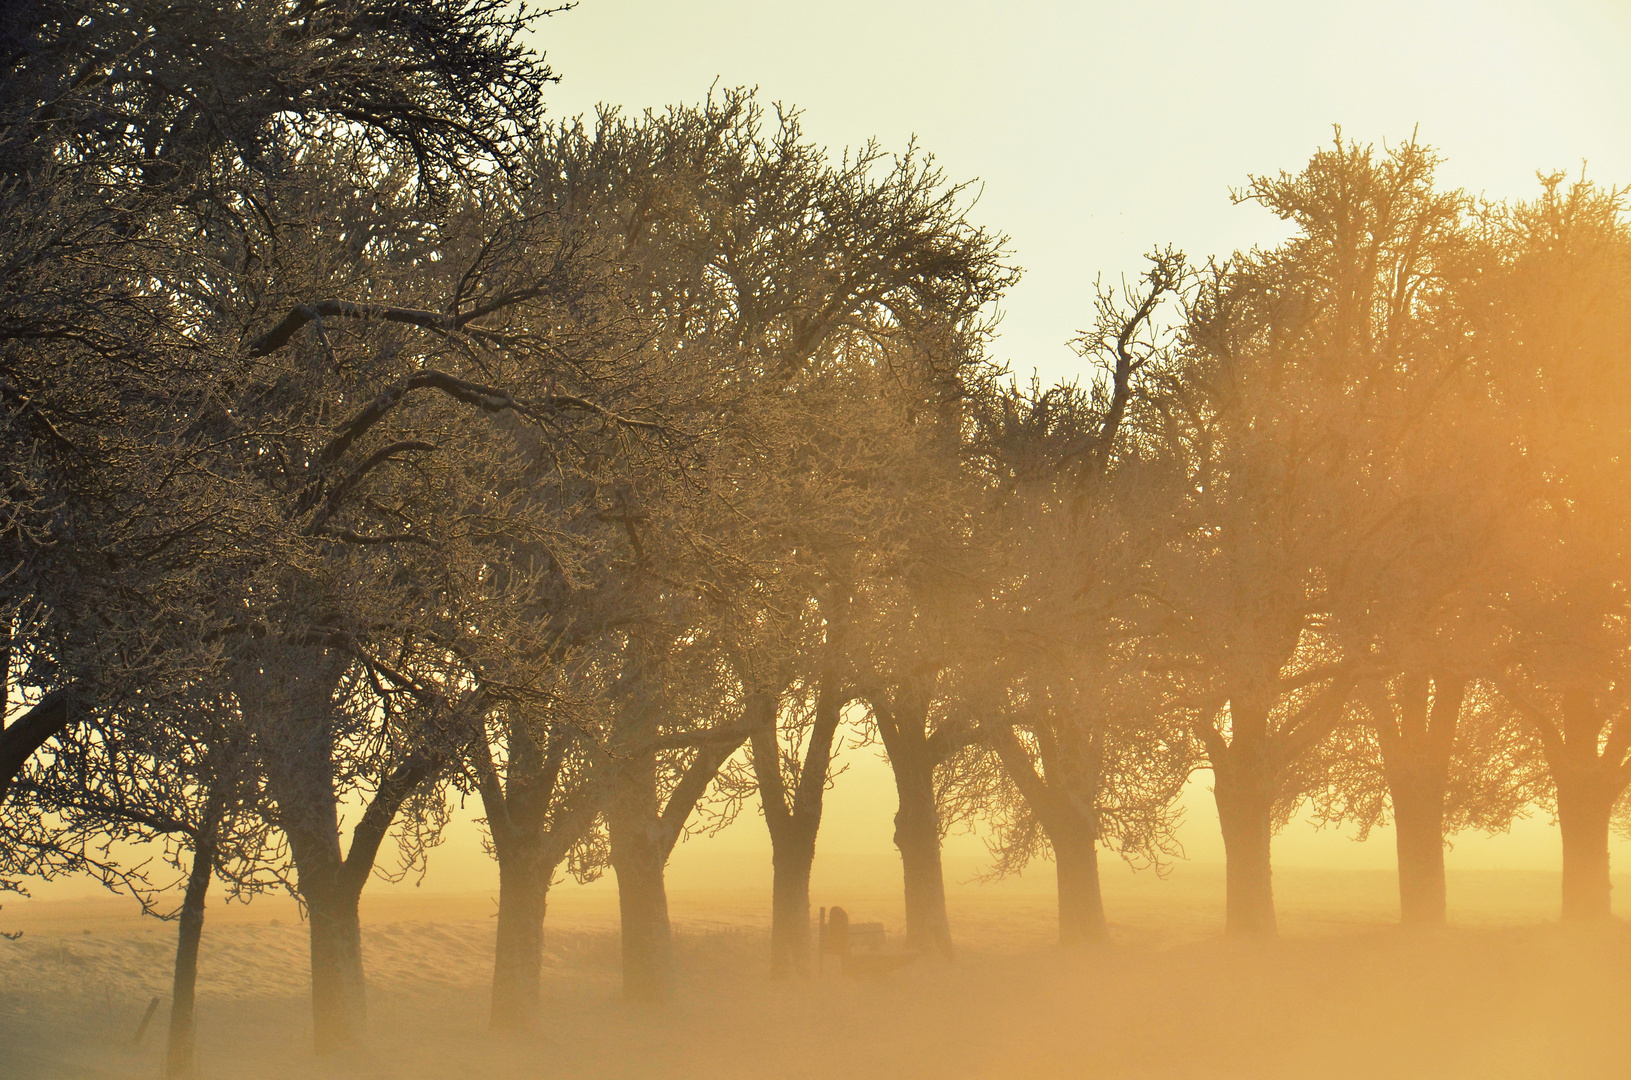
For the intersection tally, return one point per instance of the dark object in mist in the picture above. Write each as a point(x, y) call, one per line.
point(859, 946)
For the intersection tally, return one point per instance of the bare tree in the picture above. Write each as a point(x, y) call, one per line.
point(406, 373)
point(792, 764)
point(1398, 267)
point(1294, 353)
point(909, 609)
point(1080, 500)
point(1560, 320)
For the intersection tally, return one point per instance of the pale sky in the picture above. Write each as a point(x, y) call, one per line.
point(1100, 130)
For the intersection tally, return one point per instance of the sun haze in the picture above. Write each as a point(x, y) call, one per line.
point(1098, 132)
point(731, 538)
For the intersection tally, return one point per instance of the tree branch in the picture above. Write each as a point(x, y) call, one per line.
point(381, 811)
point(277, 337)
point(50, 715)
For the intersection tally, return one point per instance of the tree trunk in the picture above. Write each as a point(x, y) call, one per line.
point(917, 835)
point(790, 910)
point(288, 694)
point(180, 1054)
point(1058, 801)
point(338, 1000)
point(529, 842)
point(642, 903)
point(638, 856)
point(1244, 782)
point(1245, 816)
point(1584, 805)
point(1415, 716)
point(1081, 905)
point(523, 891)
point(793, 829)
point(904, 725)
point(1418, 820)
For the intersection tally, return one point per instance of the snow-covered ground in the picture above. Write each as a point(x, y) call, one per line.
point(1506, 993)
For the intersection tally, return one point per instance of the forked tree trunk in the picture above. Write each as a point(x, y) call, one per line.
point(531, 831)
point(917, 835)
point(1584, 805)
point(793, 829)
point(288, 693)
point(643, 833)
point(1060, 800)
point(181, 1049)
point(904, 725)
point(332, 888)
point(1418, 821)
point(523, 892)
point(639, 852)
point(1415, 716)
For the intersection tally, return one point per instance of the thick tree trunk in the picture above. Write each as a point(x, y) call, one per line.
point(1244, 782)
point(332, 894)
point(1244, 812)
point(790, 909)
point(1081, 905)
point(523, 891)
point(180, 1054)
point(642, 902)
point(1586, 793)
point(917, 835)
point(338, 997)
point(287, 691)
point(1584, 806)
point(1418, 820)
point(639, 852)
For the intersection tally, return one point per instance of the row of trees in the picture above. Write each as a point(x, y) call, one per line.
point(373, 443)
